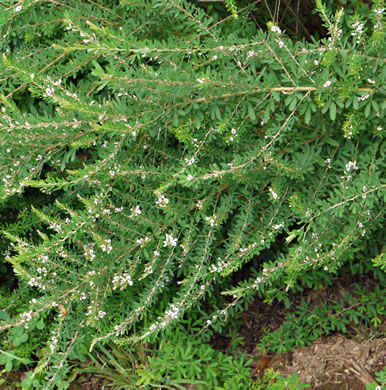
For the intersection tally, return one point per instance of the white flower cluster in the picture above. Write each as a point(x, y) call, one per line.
point(173, 312)
point(351, 165)
point(276, 29)
point(220, 266)
point(162, 201)
point(94, 311)
point(358, 32)
point(379, 24)
point(199, 204)
point(280, 225)
point(26, 317)
point(55, 226)
point(143, 241)
point(135, 211)
point(42, 270)
point(256, 283)
point(250, 54)
point(249, 248)
point(273, 193)
point(362, 98)
point(169, 240)
point(50, 91)
point(190, 162)
point(364, 189)
point(54, 341)
point(212, 220)
point(36, 282)
point(89, 252)
point(107, 246)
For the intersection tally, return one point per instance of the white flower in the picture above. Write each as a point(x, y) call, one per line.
point(276, 29)
point(135, 211)
point(364, 97)
point(199, 204)
point(162, 201)
point(189, 178)
point(351, 165)
point(143, 241)
point(327, 84)
point(191, 161)
point(18, 8)
point(173, 312)
point(371, 81)
point(169, 240)
point(49, 91)
point(212, 220)
point(214, 58)
point(278, 226)
point(273, 193)
point(316, 62)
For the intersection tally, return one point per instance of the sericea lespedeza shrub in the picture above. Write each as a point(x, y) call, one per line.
point(154, 150)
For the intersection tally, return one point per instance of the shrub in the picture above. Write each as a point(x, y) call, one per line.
point(159, 150)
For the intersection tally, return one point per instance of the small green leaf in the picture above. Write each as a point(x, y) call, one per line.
point(8, 366)
point(307, 117)
point(40, 324)
point(293, 103)
point(251, 112)
point(332, 111)
point(175, 119)
point(217, 112)
point(276, 96)
point(375, 105)
point(332, 142)
point(367, 110)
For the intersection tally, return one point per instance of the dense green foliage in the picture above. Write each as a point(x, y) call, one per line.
point(150, 150)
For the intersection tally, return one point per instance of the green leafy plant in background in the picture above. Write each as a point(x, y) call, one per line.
point(157, 151)
point(290, 383)
point(381, 381)
point(179, 359)
point(305, 324)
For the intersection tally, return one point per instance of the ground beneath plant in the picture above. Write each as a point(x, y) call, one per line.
point(335, 362)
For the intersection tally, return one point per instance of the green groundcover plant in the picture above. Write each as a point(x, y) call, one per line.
point(149, 150)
